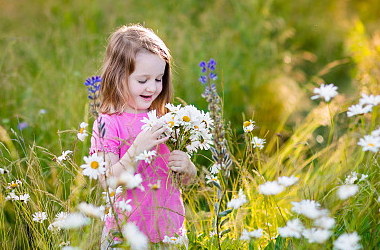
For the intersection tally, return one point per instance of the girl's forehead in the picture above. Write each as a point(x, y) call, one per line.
point(147, 63)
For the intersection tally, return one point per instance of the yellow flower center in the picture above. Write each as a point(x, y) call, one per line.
point(14, 185)
point(171, 123)
point(94, 165)
point(155, 186)
point(112, 194)
point(186, 118)
point(196, 127)
point(81, 130)
point(173, 239)
point(246, 123)
point(107, 210)
point(370, 144)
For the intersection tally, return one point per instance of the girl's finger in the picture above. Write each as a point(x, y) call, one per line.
point(159, 131)
point(162, 140)
point(178, 169)
point(157, 126)
point(175, 157)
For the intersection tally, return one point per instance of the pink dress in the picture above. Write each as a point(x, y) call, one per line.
point(157, 212)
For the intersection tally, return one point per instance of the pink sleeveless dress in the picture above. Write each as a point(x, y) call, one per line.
point(157, 212)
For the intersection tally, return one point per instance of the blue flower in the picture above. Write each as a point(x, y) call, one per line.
point(211, 64)
point(93, 86)
point(22, 125)
point(203, 79)
point(213, 76)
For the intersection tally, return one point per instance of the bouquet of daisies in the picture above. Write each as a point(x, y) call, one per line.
point(189, 129)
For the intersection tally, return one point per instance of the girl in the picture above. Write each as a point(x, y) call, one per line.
point(135, 79)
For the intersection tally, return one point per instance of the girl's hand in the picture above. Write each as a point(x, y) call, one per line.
point(147, 140)
point(180, 162)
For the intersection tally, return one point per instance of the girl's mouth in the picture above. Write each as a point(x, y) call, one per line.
point(146, 97)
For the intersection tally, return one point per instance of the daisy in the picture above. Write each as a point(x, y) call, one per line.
point(3, 171)
point(150, 122)
point(155, 186)
point(370, 100)
point(75, 220)
point(257, 142)
point(348, 242)
point(124, 205)
point(129, 180)
point(325, 222)
point(91, 210)
point(62, 158)
point(246, 235)
point(351, 178)
point(211, 178)
point(271, 188)
point(237, 202)
point(24, 197)
point(172, 108)
point(112, 194)
point(358, 110)
point(39, 216)
point(363, 177)
point(215, 168)
point(136, 239)
point(309, 208)
point(94, 166)
point(248, 126)
point(12, 196)
point(14, 184)
point(369, 142)
point(170, 240)
point(293, 228)
point(317, 235)
point(82, 134)
point(287, 181)
point(346, 191)
point(146, 156)
point(326, 92)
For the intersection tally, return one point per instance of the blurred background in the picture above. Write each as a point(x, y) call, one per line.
point(270, 54)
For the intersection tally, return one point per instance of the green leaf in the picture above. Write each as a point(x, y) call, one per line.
point(225, 212)
point(217, 185)
point(224, 222)
point(225, 232)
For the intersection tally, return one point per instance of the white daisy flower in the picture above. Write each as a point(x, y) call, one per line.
point(215, 168)
point(172, 240)
point(346, 191)
point(246, 235)
point(326, 92)
point(287, 181)
point(82, 134)
point(369, 100)
point(95, 166)
point(363, 177)
point(271, 188)
point(130, 180)
point(325, 222)
point(358, 110)
point(12, 196)
point(348, 242)
point(237, 202)
point(136, 239)
point(172, 108)
point(211, 178)
point(248, 126)
point(24, 197)
point(257, 142)
point(14, 184)
point(75, 220)
point(370, 143)
point(124, 205)
point(39, 216)
point(376, 133)
point(351, 178)
point(309, 208)
point(3, 171)
point(317, 235)
point(112, 194)
point(91, 210)
point(293, 228)
point(155, 186)
point(146, 156)
point(62, 158)
point(151, 121)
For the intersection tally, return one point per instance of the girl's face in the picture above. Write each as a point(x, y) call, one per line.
point(145, 83)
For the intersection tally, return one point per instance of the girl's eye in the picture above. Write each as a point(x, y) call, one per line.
point(142, 81)
point(158, 80)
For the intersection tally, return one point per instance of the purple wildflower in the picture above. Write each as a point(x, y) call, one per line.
point(22, 125)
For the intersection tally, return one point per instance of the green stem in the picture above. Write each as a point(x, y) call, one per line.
point(332, 125)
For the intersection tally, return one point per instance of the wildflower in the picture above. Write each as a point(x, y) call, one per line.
point(351, 178)
point(325, 91)
point(170, 240)
point(93, 86)
point(156, 185)
point(57, 224)
point(211, 178)
point(94, 166)
point(370, 142)
point(308, 208)
point(376, 133)
point(271, 188)
point(358, 110)
point(246, 235)
point(146, 156)
point(64, 244)
point(172, 108)
point(3, 171)
point(212, 233)
point(215, 168)
point(134, 236)
point(325, 222)
point(62, 158)
point(14, 184)
point(316, 235)
point(124, 205)
point(257, 142)
point(82, 134)
point(248, 126)
point(12, 196)
point(112, 194)
point(150, 122)
point(348, 242)
point(42, 112)
point(22, 125)
point(39, 216)
point(287, 181)
point(129, 180)
point(75, 220)
point(91, 210)
point(239, 201)
point(24, 197)
point(347, 191)
point(293, 228)
point(370, 100)
point(363, 177)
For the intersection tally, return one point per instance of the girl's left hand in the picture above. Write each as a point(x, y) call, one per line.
point(180, 162)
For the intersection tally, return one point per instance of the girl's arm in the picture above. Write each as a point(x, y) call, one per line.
point(180, 162)
point(145, 140)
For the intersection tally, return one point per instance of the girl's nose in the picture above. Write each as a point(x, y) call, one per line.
point(151, 86)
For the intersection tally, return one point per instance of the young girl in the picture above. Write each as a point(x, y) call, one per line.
point(136, 79)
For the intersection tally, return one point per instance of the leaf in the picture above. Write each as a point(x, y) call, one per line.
point(225, 232)
point(217, 185)
point(224, 222)
point(225, 213)
point(116, 245)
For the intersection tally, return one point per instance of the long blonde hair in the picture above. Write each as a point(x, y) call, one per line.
point(119, 64)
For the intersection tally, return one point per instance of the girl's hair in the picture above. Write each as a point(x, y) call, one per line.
point(119, 64)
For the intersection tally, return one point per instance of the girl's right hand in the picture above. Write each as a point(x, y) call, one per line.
point(147, 140)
